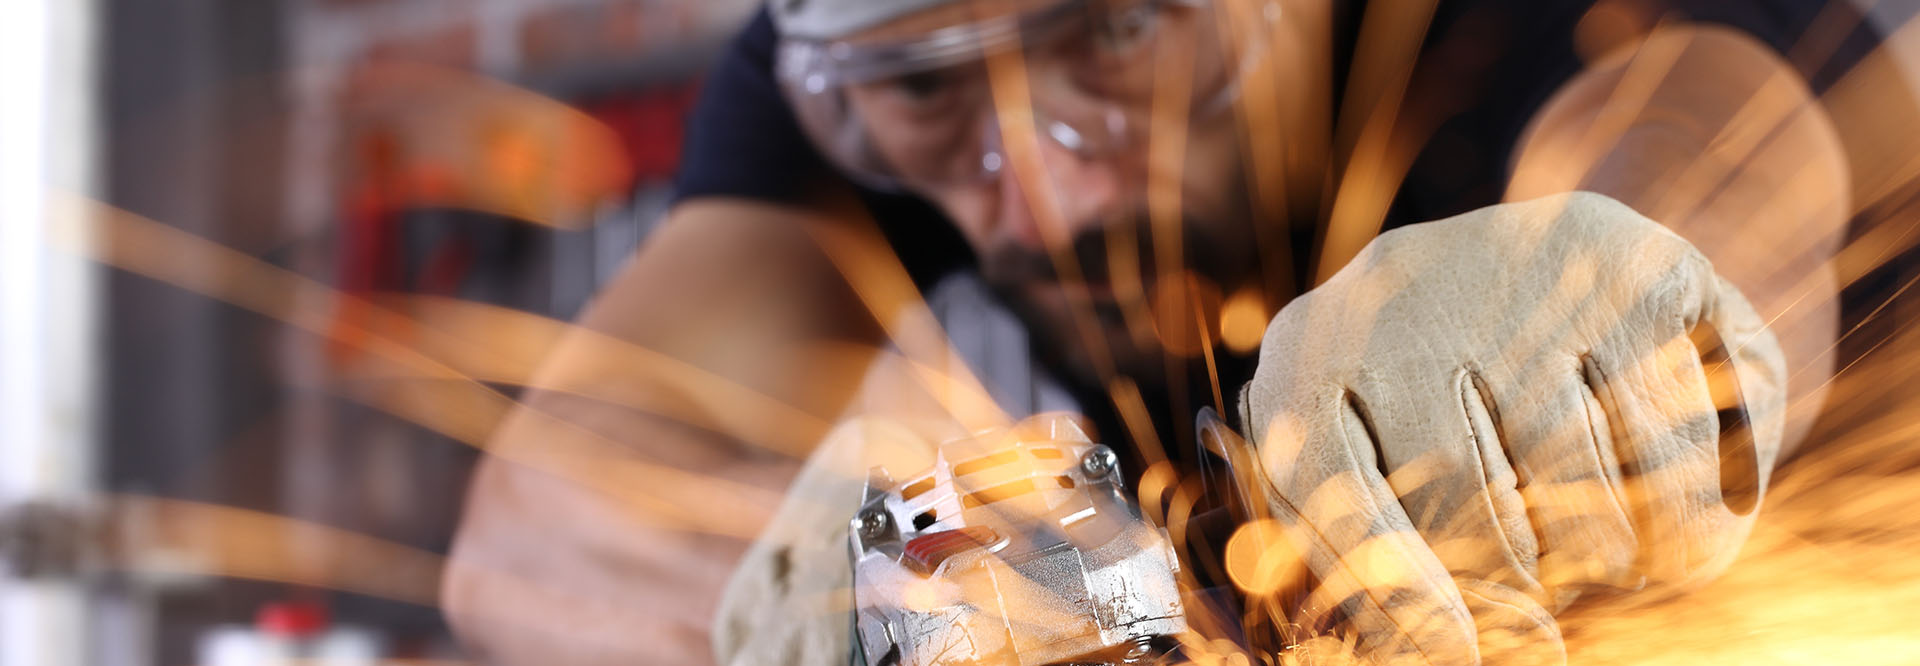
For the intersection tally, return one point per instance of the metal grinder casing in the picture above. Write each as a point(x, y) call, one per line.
point(1018, 546)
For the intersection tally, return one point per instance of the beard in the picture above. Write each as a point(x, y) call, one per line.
point(1101, 305)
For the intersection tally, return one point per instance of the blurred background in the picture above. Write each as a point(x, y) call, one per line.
point(191, 447)
point(508, 153)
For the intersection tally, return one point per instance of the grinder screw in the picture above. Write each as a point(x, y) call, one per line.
point(1098, 462)
point(873, 524)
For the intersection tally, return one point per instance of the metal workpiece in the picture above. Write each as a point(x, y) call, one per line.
point(1017, 547)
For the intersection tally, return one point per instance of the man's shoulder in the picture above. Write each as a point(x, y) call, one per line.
point(742, 140)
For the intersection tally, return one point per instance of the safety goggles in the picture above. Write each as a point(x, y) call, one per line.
point(918, 113)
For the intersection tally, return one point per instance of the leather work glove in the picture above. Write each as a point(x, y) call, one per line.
point(790, 600)
point(1480, 419)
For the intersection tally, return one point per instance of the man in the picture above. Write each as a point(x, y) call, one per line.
point(1514, 407)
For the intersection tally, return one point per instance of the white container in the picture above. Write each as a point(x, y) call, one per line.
point(286, 635)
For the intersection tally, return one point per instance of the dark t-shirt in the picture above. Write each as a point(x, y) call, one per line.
point(743, 141)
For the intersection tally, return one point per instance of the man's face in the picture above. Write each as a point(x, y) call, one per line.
point(1111, 278)
point(1114, 256)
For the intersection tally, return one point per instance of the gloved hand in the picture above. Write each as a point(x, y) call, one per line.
point(1480, 419)
point(789, 600)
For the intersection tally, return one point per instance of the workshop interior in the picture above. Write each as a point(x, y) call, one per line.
point(276, 271)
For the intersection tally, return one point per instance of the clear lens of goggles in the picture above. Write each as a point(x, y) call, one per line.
point(906, 113)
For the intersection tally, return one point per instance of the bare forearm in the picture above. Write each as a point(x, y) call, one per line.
point(654, 443)
point(603, 559)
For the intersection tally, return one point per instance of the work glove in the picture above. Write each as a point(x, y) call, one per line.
point(790, 601)
point(1481, 419)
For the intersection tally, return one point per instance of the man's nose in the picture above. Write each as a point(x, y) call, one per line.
point(1084, 190)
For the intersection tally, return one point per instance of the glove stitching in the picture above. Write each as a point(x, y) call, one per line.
point(1365, 418)
point(1598, 387)
point(1543, 623)
point(1469, 380)
point(1291, 514)
point(1352, 402)
point(1594, 381)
